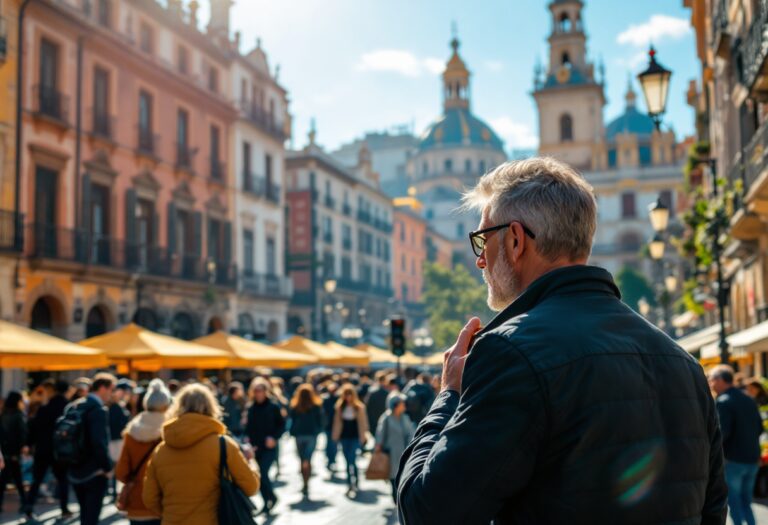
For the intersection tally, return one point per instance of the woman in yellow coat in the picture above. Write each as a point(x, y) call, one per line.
point(182, 482)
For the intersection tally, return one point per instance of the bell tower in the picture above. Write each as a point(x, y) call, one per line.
point(569, 93)
point(455, 79)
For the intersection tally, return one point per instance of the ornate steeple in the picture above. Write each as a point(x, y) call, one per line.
point(455, 78)
point(631, 96)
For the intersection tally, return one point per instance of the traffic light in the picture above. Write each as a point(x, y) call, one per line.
point(397, 336)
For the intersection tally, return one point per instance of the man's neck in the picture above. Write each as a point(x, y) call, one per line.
point(538, 270)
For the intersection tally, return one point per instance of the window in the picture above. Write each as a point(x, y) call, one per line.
point(248, 247)
point(101, 102)
point(630, 242)
point(482, 167)
point(213, 79)
point(346, 235)
point(628, 205)
point(216, 170)
point(448, 165)
point(50, 102)
point(566, 128)
point(666, 200)
point(271, 256)
point(268, 170)
point(247, 175)
point(183, 56)
point(105, 14)
point(214, 239)
point(346, 268)
point(402, 231)
point(566, 59)
point(467, 166)
point(328, 265)
point(182, 131)
point(460, 229)
point(145, 121)
point(146, 38)
point(402, 263)
point(425, 168)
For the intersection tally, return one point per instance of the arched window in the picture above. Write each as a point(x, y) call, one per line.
point(565, 23)
point(566, 128)
point(630, 242)
point(566, 59)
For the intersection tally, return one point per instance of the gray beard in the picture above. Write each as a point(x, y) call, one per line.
point(501, 281)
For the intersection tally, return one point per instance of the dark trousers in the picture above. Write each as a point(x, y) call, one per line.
point(90, 496)
point(331, 449)
point(40, 468)
point(12, 472)
point(394, 490)
point(265, 458)
point(145, 522)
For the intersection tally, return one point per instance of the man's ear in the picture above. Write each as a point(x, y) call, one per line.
point(516, 233)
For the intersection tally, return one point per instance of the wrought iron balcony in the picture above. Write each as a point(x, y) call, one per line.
point(755, 157)
point(752, 54)
point(346, 244)
point(254, 184)
point(328, 238)
point(266, 285)
point(183, 156)
point(273, 193)
point(218, 170)
point(51, 103)
point(346, 209)
point(3, 38)
point(263, 120)
point(721, 38)
point(103, 124)
point(148, 142)
point(330, 202)
point(11, 224)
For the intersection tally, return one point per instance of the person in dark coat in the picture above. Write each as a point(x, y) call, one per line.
point(329, 409)
point(567, 407)
point(307, 421)
point(41, 428)
point(13, 438)
point(376, 400)
point(234, 406)
point(89, 477)
point(263, 428)
point(741, 425)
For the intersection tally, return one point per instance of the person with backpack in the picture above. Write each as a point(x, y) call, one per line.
point(41, 430)
point(182, 482)
point(81, 440)
point(420, 395)
point(13, 436)
point(142, 435)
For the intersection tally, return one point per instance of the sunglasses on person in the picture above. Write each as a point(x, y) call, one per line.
point(478, 238)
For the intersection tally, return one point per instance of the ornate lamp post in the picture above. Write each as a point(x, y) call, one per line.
point(655, 83)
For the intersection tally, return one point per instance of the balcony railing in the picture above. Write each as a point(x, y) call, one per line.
point(346, 244)
point(754, 48)
point(148, 142)
point(328, 238)
point(3, 38)
point(11, 223)
point(273, 193)
point(103, 124)
point(330, 202)
point(183, 156)
point(263, 119)
point(265, 285)
point(755, 157)
point(721, 39)
point(363, 216)
point(218, 170)
point(346, 209)
point(51, 103)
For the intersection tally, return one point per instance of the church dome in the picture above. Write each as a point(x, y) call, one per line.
point(459, 127)
point(631, 121)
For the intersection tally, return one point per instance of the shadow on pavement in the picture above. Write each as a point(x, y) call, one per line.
point(308, 505)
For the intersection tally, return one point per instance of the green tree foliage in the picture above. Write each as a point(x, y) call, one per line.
point(451, 297)
point(633, 286)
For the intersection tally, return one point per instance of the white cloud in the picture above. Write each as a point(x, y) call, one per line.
point(399, 61)
point(494, 66)
point(634, 62)
point(515, 134)
point(656, 29)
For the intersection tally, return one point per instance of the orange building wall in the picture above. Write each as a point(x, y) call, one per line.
point(409, 246)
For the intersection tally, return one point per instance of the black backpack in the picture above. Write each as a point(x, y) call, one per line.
point(69, 435)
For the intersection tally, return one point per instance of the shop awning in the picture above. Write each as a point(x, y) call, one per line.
point(753, 339)
point(379, 355)
point(435, 359)
point(245, 353)
point(695, 341)
point(22, 347)
point(140, 349)
point(325, 355)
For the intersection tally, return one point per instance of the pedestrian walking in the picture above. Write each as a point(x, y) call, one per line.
point(142, 436)
point(13, 438)
point(741, 426)
point(182, 483)
point(568, 406)
point(41, 429)
point(329, 398)
point(89, 475)
point(394, 432)
point(350, 428)
point(234, 409)
point(376, 400)
point(306, 411)
point(419, 395)
point(119, 416)
point(264, 426)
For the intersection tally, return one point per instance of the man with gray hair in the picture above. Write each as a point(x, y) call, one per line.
point(568, 407)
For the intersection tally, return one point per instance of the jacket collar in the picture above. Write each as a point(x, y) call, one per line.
point(569, 279)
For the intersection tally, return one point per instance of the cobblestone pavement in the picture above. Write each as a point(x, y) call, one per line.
point(327, 504)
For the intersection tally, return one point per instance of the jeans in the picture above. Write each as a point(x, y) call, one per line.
point(265, 458)
point(331, 449)
point(305, 446)
point(43, 462)
point(349, 448)
point(740, 478)
point(90, 496)
point(12, 472)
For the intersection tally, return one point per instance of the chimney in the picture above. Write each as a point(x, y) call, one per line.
point(219, 23)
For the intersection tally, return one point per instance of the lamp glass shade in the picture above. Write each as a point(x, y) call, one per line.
point(330, 285)
point(656, 248)
point(655, 83)
point(670, 283)
point(643, 306)
point(659, 215)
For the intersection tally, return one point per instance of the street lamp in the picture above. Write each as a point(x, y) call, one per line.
point(670, 283)
point(330, 285)
point(655, 83)
point(656, 247)
point(659, 215)
point(211, 268)
point(643, 306)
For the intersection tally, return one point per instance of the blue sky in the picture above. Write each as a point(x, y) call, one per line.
point(365, 65)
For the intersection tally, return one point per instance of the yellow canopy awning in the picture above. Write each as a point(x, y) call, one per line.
point(379, 355)
point(22, 347)
point(325, 355)
point(245, 353)
point(358, 356)
point(146, 351)
point(435, 359)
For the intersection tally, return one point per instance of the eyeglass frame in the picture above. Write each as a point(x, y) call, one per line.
point(484, 231)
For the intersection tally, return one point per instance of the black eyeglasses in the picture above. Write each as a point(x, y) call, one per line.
point(478, 239)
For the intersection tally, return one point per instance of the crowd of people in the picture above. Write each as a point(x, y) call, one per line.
point(153, 447)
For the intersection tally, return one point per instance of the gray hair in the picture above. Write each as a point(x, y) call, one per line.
point(158, 397)
point(546, 195)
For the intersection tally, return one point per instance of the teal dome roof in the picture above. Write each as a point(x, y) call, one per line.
point(632, 121)
point(459, 127)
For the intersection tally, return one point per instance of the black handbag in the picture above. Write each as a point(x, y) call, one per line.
point(235, 508)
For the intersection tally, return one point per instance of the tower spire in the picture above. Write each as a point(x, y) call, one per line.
point(455, 77)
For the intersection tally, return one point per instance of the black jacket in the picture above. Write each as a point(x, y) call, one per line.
point(741, 425)
point(118, 420)
point(41, 426)
point(309, 423)
point(376, 403)
point(13, 433)
point(573, 410)
point(97, 461)
point(264, 420)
